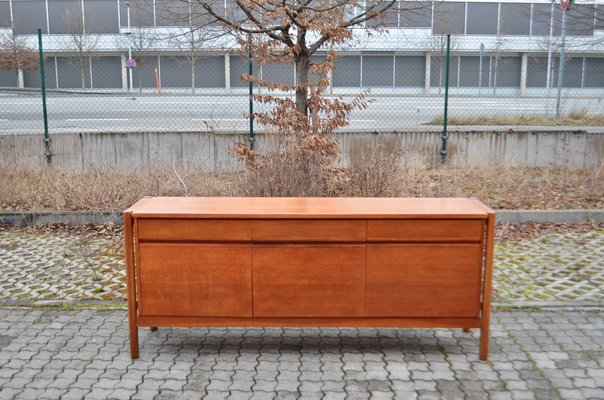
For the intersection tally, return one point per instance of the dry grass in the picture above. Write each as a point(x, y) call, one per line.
point(574, 118)
point(283, 175)
point(292, 167)
point(511, 187)
point(26, 188)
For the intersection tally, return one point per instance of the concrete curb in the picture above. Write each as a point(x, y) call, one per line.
point(550, 216)
point(28, 218)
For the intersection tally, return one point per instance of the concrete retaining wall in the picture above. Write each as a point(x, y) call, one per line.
point(210, 151)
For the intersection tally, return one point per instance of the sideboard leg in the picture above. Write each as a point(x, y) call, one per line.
point(133, 342)
point(487, 287)
point(153, 328)
point(130, 285)
point(484, 343)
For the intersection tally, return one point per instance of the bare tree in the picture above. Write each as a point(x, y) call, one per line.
point(443, 24)
point(14, 54)
point(80, 43)
point(438, 45)
point(192, 39)
point(496, 56)
point(291, 31)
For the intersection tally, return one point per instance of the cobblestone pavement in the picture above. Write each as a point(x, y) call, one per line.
point(52, 354)
point(553, 267)
point(38, 266)
point(51, 266)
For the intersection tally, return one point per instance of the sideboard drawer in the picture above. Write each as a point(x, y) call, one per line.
point(426, 230)
point(159, 229)
point(311, 230)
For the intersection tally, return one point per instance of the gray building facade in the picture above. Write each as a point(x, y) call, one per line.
point(87, 43)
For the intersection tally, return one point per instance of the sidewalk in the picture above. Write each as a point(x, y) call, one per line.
point(554, 350)
point(84, 354)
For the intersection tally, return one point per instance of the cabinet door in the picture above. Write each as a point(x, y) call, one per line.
point(309, 280)
point(195, 279)
point(423, 280)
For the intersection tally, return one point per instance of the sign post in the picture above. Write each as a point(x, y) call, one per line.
point(564, 5)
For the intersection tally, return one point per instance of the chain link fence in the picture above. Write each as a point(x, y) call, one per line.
point(203, 91)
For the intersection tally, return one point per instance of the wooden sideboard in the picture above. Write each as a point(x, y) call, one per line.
point(377, 262)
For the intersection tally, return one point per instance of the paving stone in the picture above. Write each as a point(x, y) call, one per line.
point(168, 394)
point(98, 393)
point(142, 394)
point(334, 395)
point(358, 396)
point(425, 385)
point(333, 386)
point(379, 395)
point(74, 393)
point(450, 373)
point(240, 395)
point(522, 395)
point(283, 395)
point(500, 396)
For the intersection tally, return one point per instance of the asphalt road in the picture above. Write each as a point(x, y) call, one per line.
point(121, 113)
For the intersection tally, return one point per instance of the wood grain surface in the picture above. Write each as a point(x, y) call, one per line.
point(433, 280)
point(395, 322)
point(195, 280)
point(421, 230)
point(391, 262)
point(304, 230)
point(177, 229)
point(308, 207)
point(309, 280)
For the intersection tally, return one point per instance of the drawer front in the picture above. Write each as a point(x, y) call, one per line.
point(303, 230)
point(423, 280)
point(309, 280)
point(425, 230)
point(195, 280)
point(168, 229)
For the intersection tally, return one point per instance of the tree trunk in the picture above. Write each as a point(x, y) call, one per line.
point(82, 78)
point(20, 79)
point(495, 74)
point(440, 75)
point(193, 75)
point(302, 68)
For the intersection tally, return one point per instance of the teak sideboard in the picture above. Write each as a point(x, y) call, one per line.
point(363, 262)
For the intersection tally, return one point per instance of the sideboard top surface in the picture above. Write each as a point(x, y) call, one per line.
point(308, 207)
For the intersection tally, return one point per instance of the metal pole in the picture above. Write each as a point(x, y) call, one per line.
point(129, 46)
point(43, 89)
point(443, 150)
point(251, 95)
point(548, 74)
point(480, 68)
point(561, 66)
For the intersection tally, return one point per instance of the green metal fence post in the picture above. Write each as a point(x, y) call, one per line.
point(43, 89)
point(443, 149)
point(251, 96)
point(561, 66)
